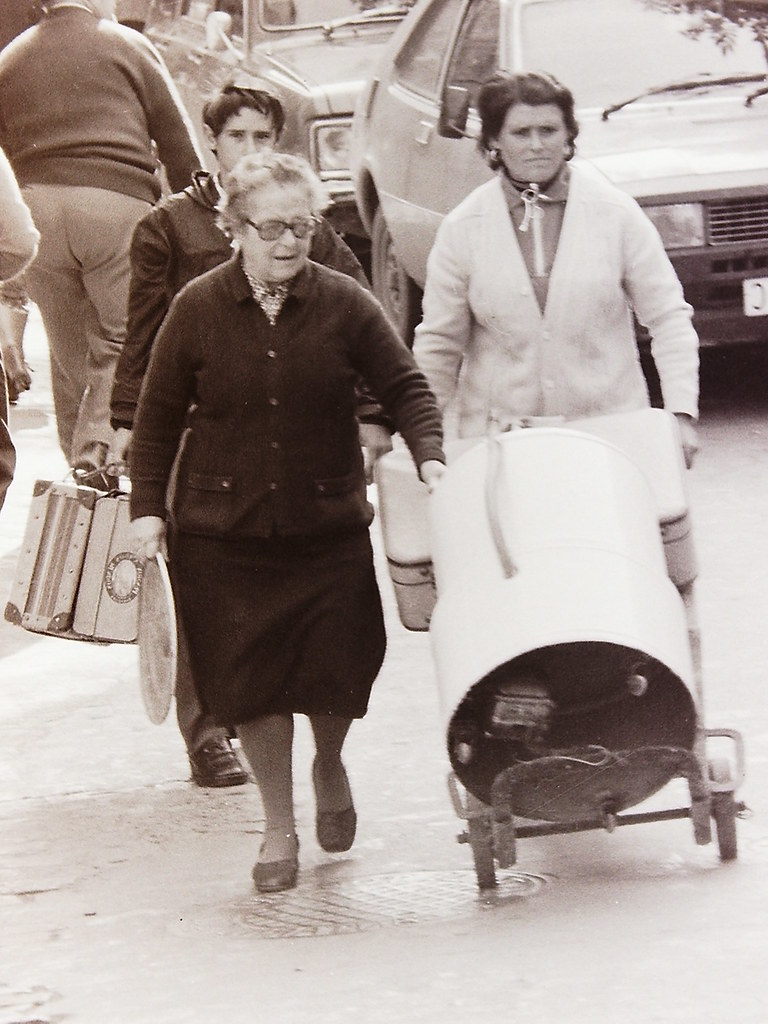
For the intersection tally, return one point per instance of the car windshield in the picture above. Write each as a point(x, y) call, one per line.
point(285, 15)
point(654, 46)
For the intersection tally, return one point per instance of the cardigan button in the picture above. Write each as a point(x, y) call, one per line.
point(273, 486)
point(274, 402)
point(272, 354)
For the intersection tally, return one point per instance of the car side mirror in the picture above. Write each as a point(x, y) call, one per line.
point(454, 112)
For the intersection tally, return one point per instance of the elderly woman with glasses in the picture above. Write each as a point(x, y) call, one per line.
point(250, 398)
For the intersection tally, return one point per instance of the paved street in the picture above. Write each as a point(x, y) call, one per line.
point(125, 892)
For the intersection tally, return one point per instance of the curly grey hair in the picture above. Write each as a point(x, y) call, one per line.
point(253, 173)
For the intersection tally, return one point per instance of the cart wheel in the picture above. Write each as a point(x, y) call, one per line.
point(724, 810)
point(480, 827)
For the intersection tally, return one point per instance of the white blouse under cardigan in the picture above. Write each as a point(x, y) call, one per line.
point(484, 341)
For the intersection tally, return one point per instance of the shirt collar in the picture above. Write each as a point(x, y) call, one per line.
point(556, 192)
point(299, 287)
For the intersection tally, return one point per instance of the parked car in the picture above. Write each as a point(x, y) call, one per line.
point(672, 100)
point(315, 53)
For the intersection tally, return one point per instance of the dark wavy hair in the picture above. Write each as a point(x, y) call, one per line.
point(534, 88)
point(233, 97)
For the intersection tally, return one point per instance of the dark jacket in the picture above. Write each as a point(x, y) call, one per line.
point(271, 441)
point(174, 243)
point(83, 99)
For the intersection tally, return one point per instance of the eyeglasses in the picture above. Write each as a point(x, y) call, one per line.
point(271, 230)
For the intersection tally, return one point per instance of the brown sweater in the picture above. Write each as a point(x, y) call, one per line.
point(82, 101)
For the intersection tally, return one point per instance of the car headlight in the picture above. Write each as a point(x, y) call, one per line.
point(331, 148)
point(680, 225)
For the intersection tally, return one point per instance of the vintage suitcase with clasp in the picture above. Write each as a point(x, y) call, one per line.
point(76, 576)
point(107, 604)
point(48, 570)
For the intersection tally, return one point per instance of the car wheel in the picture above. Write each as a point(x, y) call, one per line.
point(398, 294)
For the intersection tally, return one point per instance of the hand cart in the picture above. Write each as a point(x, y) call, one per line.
point(564, 632)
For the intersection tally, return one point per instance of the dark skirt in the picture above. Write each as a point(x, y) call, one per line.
point(280, 625)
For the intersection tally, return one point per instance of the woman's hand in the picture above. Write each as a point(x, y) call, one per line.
point(148, 536)
point(688, 437)
point(431, 472)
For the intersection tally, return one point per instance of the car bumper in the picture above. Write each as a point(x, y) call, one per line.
point(713, 281)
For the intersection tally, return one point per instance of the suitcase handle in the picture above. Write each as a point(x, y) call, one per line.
point(100, 478)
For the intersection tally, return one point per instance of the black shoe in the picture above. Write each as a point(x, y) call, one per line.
point(215, 765)
point(335, 830)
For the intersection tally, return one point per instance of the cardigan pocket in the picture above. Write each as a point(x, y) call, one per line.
point(210, 482)
point(331, 487)
point(206, 503)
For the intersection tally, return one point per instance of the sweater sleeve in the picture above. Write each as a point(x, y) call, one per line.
point(330, 249)
point(169, 124)
point(148, 301)
point(162, 410)
point(442, 337)
point(18, 234)
point(657, 299)
point(387, 365)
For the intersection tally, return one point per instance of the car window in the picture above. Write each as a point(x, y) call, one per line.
point(476, 54)
point(298, 14)
point(653, 42)
point(419, 63)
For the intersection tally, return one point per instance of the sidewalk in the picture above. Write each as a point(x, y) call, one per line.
point(126, 898)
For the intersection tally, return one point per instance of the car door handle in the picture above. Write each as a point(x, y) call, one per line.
point(424, 132)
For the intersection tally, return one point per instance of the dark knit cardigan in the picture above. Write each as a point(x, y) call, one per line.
point(175, 242)
point(265, 416)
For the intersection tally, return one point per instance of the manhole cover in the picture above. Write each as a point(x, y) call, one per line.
point(380, 900)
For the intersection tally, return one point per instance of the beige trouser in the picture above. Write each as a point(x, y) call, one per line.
point(79, 281)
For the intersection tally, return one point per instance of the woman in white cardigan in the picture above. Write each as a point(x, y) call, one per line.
point(534, 278)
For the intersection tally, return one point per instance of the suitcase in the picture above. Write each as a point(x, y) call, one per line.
point(76, 576)
point(106, 607)
point(50, 563)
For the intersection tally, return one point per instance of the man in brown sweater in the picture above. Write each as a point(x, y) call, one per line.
point(86, 109)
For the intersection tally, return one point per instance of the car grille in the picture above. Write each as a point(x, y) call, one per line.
point(738, 220)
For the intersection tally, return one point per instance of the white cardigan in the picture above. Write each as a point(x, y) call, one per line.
point(484, 342)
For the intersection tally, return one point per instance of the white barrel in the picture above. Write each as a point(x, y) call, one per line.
point(550, 571)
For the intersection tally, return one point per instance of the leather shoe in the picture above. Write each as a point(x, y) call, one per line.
point(277, 875)
point(216, 765)
point(335, 830)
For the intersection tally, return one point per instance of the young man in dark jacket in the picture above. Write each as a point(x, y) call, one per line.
point(178, 240)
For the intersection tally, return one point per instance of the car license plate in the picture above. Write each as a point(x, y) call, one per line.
point(756, 296)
